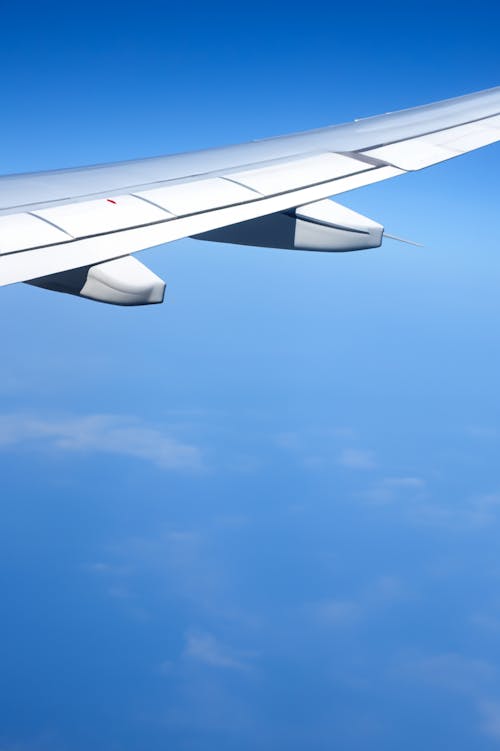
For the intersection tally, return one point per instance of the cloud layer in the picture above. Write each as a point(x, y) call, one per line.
point(99, 433)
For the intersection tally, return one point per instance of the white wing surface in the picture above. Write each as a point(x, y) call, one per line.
point(54, 222)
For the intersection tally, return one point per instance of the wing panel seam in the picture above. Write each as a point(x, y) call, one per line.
point(47, 221)
point(187, 216)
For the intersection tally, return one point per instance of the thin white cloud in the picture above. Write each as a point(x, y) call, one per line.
point(472, 514)
point(475, 679)
point(487, 432)
point(484, 509)
point(289, 440)
point(490, 718)
point(100, 433)
point(320, 438)
point(181, 560)
point(454, 672)
point(336, 612)
point(47, 740)
point(413, 483)
point(357, 459)
point(98, 567)
point(394, 488)
point(486, 621)
point(205, 648)
point(317, 449)
point(345, 612)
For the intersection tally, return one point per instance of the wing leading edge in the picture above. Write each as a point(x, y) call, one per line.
point(51, 223)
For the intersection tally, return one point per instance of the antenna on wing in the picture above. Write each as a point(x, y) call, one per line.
point(403, 240)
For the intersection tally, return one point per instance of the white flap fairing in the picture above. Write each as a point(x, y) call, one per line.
point(323, 225)
point(122, 281)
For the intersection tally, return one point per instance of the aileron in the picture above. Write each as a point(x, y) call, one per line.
point(291, 175)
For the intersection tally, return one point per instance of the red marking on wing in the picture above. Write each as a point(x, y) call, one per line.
point(110, 200)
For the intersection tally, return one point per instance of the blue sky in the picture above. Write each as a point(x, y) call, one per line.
point(265, 514)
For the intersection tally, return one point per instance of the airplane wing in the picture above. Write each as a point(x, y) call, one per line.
point(74, 230)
